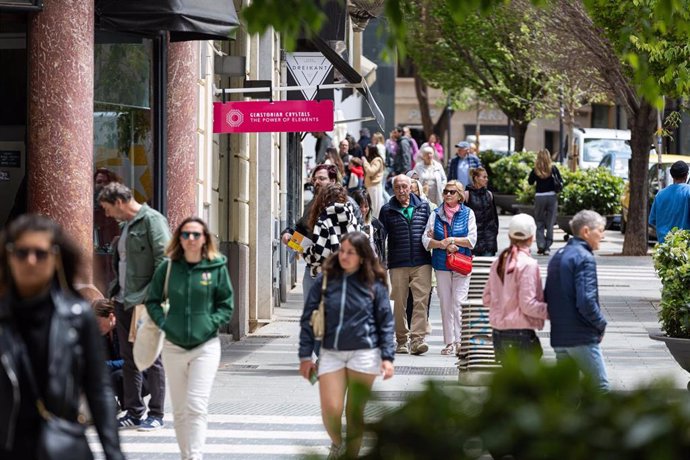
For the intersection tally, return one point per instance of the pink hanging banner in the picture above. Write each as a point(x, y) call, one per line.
point(278, 116)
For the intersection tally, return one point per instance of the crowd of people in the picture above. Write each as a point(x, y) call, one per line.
point(365, 251)
point(431, 216)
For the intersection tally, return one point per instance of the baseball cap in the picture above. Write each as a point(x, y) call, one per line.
point(679, 169)
point(463, 145)
point(521, 227)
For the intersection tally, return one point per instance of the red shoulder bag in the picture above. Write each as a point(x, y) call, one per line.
point(457, 262)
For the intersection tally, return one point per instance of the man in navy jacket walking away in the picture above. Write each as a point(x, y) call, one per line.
point(572, 297)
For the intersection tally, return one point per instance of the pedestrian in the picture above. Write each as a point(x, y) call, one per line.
point(451, 228)
point(104, 309)
point(407, 133)
point(434, 142)
point(409, 264)
point(140, 249)
point(332, 158)
point(402, 162)
point(431, 174)
point(671, 206)
point(372, 226)
point(480, 200)
point(364, 139)
point(50, 347)
point(373, 177)
point(199, 293)
point(331, 216)
point(321, 176)
point(514, 293)
point(323, 142)
point(358, 341)
point(572, 298)
point(463, 162)
point(549, 182)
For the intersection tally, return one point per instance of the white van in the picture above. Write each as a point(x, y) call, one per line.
point(503, 145)
point(591, 144)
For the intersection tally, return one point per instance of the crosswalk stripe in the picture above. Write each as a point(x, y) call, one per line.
point(256, 449)
point(318, 434)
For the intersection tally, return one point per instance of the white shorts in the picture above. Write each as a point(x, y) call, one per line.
point(366, 361)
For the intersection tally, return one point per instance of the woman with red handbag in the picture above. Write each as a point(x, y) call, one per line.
point(451, 233)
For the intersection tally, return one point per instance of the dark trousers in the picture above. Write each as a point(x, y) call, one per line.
point(132, 378)
point(516, 341)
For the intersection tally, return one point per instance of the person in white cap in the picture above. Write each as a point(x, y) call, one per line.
point(514, 293)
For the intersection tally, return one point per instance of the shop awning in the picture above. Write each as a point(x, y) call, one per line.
point(347, 71)
point(184, 19)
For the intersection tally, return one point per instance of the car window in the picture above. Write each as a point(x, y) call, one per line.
point(595, 149)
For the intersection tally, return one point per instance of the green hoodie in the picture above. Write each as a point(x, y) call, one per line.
point(200, 300)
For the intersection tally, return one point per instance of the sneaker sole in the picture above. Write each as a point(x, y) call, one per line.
point(146, 428)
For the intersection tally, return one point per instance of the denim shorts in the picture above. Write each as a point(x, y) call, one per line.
point(366, 361)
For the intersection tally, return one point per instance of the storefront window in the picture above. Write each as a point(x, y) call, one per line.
point(122, 122)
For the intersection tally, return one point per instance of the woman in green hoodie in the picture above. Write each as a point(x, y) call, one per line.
point(200, 297)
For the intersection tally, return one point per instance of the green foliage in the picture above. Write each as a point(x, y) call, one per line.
point(596, 189)
point(487, 157)
point(535, 410)
point(672, 263)
point(492, 54)
point(510, 170)
point(525, 192)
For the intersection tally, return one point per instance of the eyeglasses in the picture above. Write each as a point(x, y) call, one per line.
point(192, 235)
point(450, 192)
point(22, 254)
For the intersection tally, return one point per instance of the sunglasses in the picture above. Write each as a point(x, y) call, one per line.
point(450, 192)
point(192, 235)
point(22, 254)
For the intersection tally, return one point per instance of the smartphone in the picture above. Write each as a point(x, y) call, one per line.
point(313, 376)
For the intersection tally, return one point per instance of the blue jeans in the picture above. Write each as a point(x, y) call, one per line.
point(307, 281)
point(589, 359)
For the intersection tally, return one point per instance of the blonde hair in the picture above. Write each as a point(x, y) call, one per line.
point(543, 165)
point(378, 138)
point(459, 187)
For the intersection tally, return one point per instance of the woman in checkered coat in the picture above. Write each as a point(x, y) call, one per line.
point(331, 217)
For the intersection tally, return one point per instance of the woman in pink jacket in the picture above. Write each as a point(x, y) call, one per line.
point(514, 293)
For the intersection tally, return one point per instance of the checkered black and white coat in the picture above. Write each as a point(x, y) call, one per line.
point(337, 220)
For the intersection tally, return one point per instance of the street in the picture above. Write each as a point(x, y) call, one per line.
point(260, 408)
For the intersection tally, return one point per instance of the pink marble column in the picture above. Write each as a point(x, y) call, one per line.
point(60, 132)
point(183, 93)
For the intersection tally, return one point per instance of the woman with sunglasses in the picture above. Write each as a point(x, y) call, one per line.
point(358, 344)
point(38, 306)
point(451, 228)
point(200, 298)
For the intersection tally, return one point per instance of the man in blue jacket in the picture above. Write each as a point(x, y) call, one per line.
point(572, 297)
point(404, 217)
point(459, 168)
point(671, 207)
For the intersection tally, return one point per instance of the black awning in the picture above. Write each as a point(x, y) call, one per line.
point(347, 71)
point(184, 19)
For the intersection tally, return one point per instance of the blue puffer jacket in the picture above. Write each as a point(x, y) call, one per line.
point(357, 317)
point(458, 228)
point(572, 296)
point(405, 248)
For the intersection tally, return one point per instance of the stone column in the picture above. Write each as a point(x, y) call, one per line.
point(60, 127)
point(183, 91)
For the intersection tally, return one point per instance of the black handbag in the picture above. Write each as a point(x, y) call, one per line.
point(60, 439)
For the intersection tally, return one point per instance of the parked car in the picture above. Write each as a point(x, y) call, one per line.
point(591, 144)
point(617, 163)
point(653, 186)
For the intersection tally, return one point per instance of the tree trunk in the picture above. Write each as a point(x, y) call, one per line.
point(520, 128)
point(422, 93)
point(642, 128)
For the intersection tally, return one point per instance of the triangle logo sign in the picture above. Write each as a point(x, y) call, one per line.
point(308, 69)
